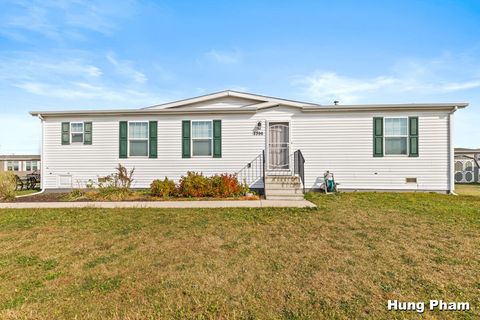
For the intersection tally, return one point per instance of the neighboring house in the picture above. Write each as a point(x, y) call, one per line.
point(20, 164)
point(467, 165)
point(367, 147)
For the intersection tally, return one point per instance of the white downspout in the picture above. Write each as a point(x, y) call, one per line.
point(41, 163)
point(451, 152)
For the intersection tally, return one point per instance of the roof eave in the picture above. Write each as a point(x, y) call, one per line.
point(137, 112)
point(229, 93)
point(391, 107)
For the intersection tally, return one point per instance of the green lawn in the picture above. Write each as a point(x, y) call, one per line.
point(342, 260)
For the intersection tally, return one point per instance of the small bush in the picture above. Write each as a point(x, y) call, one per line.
point(121, 179)
point(110, 193)
point(221, 186)
point(8, 183)
point(226, 185)
point(114, 187)
point(194, 185)
point(163, 188)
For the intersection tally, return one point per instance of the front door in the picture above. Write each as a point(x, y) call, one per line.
point(278, 146)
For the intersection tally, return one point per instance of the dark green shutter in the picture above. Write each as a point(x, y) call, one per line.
point(153, 136)
point(87, 127)
point(217, 138)
point(123, 147)
point(378, 137)
point(186, 139)
point(413, 136)
point(65, 132)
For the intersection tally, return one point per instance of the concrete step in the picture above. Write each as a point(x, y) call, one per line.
point(283, 186)
point(296, 197)
point(281, 192)
point(282, 179)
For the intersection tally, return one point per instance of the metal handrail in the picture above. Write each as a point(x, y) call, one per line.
point(264, 167)
point(299, 166)
point(253, 170)
point(257, 168)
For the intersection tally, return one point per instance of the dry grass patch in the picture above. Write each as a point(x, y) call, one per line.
point(342, 260)
point(468, 189)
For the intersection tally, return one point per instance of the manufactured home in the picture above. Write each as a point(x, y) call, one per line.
point(392, 147)
point(21, 165)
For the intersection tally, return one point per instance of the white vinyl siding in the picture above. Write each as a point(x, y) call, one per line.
point(337, 141)
point(343, 144)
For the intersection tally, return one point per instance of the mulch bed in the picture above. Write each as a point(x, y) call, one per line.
point(43, 197)
point(60, 197)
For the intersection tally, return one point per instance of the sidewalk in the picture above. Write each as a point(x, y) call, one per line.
point(163, 204)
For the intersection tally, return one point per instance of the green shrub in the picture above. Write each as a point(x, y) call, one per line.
point(194, 185)
point(8, 183)
point(222, 186)
point(163, 188)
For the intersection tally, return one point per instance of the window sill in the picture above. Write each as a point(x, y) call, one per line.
point(396, 156)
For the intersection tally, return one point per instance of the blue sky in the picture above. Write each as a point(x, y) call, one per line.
point(57, 55)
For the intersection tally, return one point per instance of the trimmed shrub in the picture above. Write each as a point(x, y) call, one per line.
point(222, 186)
point(226, 185)
point(194, 185)
point(163, 188)
point(8, 183)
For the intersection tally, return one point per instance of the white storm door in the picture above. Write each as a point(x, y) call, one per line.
point(278, 146)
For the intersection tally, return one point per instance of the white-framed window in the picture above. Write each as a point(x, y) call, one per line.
point(396, 136)
point(76, 131)
point(202, 138)
point(138, 138)
point(31, 165)
point(13, 165)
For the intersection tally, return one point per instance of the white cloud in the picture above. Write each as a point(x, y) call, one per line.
point(84, 80)
point(82, 91)
point(330, 86)
point(126, 68)
point(62, 19)
point(416, 79)
point(27, 66)
point(462, 85)
point(225, 57)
